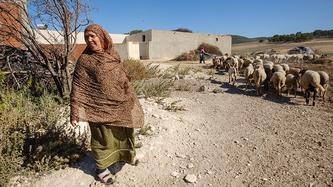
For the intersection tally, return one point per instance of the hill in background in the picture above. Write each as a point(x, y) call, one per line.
point(297, 37)
point(236, 39)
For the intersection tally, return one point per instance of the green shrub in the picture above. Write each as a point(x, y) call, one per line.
point(153, 87)
point(2, 79)
point(30, 138)
point(178, 70)
point(139, 71)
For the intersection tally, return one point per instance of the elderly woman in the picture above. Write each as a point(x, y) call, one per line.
point(102, 96)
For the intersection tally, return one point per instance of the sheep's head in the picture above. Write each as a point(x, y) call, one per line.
point(303, 70)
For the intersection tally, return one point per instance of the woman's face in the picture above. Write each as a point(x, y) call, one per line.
point(93, 41)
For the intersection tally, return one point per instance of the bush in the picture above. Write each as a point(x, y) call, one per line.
point(183, 30)
point(178, 70)
point(153, 87)
point(210, 49)
point(30, 138)
point(174, 107)
point(298, 37)
point(190, 56)
point(139, 71)
point(135, 31)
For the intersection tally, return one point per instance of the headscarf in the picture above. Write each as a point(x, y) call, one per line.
point(101, 92)
point(106, 41)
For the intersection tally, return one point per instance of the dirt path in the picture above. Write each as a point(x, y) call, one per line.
point(225, 139)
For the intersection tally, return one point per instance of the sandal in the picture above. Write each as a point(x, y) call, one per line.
point(116, 167)
point(104, 176)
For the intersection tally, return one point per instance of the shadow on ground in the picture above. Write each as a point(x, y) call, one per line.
point(240, 88)
point(86, 164)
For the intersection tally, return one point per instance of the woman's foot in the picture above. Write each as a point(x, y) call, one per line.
point(116, 167)
point(104, 176)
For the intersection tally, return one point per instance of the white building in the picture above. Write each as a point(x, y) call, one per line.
point(151, 44)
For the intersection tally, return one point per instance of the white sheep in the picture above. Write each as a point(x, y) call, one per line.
point(259, 77)
point(248, 74)
point(258, 62)
point(232, 75)
point(216, 62)
point(310, 81)
point(291, 83)
point(277, 67)
point(324, 79)
point(285, 67)
point(294, 71)
point(268, 66)
point(278, 79)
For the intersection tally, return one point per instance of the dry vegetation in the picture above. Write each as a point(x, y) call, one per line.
point(32, 134)
point(193, 55)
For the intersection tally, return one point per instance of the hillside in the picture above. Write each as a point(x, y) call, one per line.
point(324, 45)
point(295, 37)
point(236, 39)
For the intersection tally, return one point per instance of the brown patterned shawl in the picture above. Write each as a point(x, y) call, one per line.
point(101, 92)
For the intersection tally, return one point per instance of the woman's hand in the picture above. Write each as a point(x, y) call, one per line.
point(74, 123)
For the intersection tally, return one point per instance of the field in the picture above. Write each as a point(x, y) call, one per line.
point(324, 45)
point(219, 134)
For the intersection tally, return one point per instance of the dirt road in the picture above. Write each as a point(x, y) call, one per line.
point(232, 138)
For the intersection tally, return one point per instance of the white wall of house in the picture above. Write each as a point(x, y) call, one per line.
point(160, 44)
point(169, 44)
point(55, 38)
point(151, 44)
point(128, 50)
point(122, 50)
point(133, 49)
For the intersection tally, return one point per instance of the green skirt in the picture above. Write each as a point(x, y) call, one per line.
point(110, 144)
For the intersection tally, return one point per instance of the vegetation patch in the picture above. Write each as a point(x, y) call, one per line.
point(211, 49)
point(139, 71)
point(32, 139)
point(174, 107)
point(153, 87)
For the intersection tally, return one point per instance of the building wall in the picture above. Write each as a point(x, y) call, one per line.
point(122, 50)
point(138, 37)
point(170, 44)
point(133, 49)
point(7, 23)
point(128, 50)
point(143, 45)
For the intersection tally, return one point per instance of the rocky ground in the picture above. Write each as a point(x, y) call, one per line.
point(227, 136)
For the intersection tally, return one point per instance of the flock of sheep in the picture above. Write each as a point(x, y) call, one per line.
point(273, 71)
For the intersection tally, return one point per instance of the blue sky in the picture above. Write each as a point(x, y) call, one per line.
point(251, 18)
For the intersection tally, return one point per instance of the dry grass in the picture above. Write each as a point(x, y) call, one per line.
point(324, 45)
point(190, 56)
point(139, 71)
point(174, 107)
point(211, 49)
point(153, 87)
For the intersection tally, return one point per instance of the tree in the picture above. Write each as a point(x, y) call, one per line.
point(64, 18)
point(183, 30)
point(135, 31)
